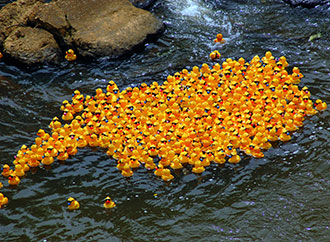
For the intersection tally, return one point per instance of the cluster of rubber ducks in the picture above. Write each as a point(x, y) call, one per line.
point(195, 118)
point(73, 204)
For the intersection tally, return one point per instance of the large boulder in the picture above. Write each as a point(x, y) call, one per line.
point(306, 3)
point(97, 28)
point(14, 15)
point(93, 28)
point(31, 45)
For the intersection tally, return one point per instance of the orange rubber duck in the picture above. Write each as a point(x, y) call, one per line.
point(219, 39)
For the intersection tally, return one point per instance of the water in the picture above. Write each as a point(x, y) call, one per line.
point(282, 197)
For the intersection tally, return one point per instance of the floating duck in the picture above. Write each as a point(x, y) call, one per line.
point(219, 39)
point(215, 55)
point(198, 167)
point(13, 179)
point(73, 204)
point(159, 170)
point(5, 170)
point(70, 55)
point(127, 171)
point(19, 170)
point(3, 200)
point(1, 55)
point(1, 185)
point(108, 203)
point(166, 175)
point(319, 105)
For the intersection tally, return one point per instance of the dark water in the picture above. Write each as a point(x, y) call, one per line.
point(282, 197)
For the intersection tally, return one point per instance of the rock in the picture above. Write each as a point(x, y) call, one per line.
point(14, 15)
point(306, 3)
point(93, 28)
point(97, 28)
point(144, 4)
point(31, 45)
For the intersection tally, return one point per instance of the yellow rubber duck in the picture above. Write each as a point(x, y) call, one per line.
point(319, 105)
point(1, 185)
point(13, 180)
point(108, 203)
point(127, 171)
point(73, 204)
point(19, 170)
point(3, 200)
point(70, 55)
point(159, 170)
point(215, 55)
point(167, 176)
point(47, 159)
point(198, 167)
point(234, 159)
point(5, 170)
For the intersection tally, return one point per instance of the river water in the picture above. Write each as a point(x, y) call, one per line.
point(281, 197)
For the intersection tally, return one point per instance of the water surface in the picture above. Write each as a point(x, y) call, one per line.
point(282, 197)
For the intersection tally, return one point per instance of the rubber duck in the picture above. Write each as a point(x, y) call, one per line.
point(13, 179)
point(285, 135)
point(108, 203)
point(43, 135)
point(215, 55)
point(127, 171)
point(219, 39)
point(3, 200)
point(67, 115)
point(52, 151)
point(149, 164)
point(134, 163)
point(70, 55)
point(33, 161)
point(166, 175)
point(198, 167)
point(71, 149)
point(1, 185)
point(19, 170)
point(62, 154)
point(73, 204)
point(5, 170)
point(175, 164)
point(319, 105)
point(159, 170)
point(234, 159)
point(219, 156)
point(47, 159)
point(1, 55)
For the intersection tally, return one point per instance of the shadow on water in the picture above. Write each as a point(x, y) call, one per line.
point(281, 197)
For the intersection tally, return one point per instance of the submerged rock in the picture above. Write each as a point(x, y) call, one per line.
point(102, 28)
point(306, 3)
